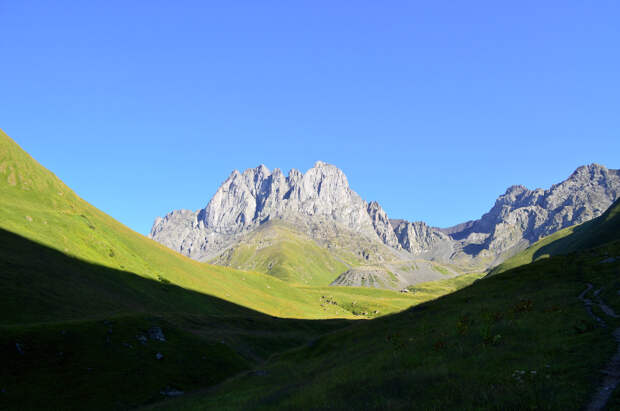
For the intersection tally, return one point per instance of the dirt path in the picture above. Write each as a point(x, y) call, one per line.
point(612, 369)
point(588, 303)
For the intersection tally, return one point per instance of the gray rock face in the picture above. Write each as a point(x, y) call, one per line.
point(375, 277)
point(521, 216)
point(246, 200)
point(417, 237)
point(381, 224)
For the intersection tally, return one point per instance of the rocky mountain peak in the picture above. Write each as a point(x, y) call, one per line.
point(516, 190)
point(513, 195)
point(319, 164)
point(522, 216)
point(519, 217)
point(245, 200)
point(259, 173)
point(588, 171)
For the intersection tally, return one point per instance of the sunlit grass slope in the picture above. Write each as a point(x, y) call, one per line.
point(279, 251)
point(592, 233)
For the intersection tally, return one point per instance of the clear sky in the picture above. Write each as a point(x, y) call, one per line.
point(431, 108)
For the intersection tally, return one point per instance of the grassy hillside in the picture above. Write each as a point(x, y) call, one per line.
point(590, 234)
point(277, 250)
point(518, 340)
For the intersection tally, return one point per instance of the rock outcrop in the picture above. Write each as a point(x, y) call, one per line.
point(363, 276)
point(417, 237)
point(382, 225)
point(521, 216)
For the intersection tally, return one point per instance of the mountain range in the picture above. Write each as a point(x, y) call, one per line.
point(125, 322)
point(319, 207)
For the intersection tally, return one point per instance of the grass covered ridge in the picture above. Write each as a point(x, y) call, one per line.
point(279, 251)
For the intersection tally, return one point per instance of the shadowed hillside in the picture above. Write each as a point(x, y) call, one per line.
point(69, 323)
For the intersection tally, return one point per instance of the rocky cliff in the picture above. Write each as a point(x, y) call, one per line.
point(382, 225)
point(521, 216)
point(417, 237)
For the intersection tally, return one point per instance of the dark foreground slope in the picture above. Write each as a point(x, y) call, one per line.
point(522, 339)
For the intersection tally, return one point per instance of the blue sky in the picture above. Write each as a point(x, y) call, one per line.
point(431, 108)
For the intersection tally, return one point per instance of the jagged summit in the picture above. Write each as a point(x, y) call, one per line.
point(589, 170)
point(245, 200)
point(522, 216)
point(319, 202)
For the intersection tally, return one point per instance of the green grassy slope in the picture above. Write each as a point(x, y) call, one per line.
point(279, 251)
point(590, 234)
point(518, 340)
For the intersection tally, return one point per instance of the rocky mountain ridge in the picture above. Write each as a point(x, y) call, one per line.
point(321, 199)
point(314, 201)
